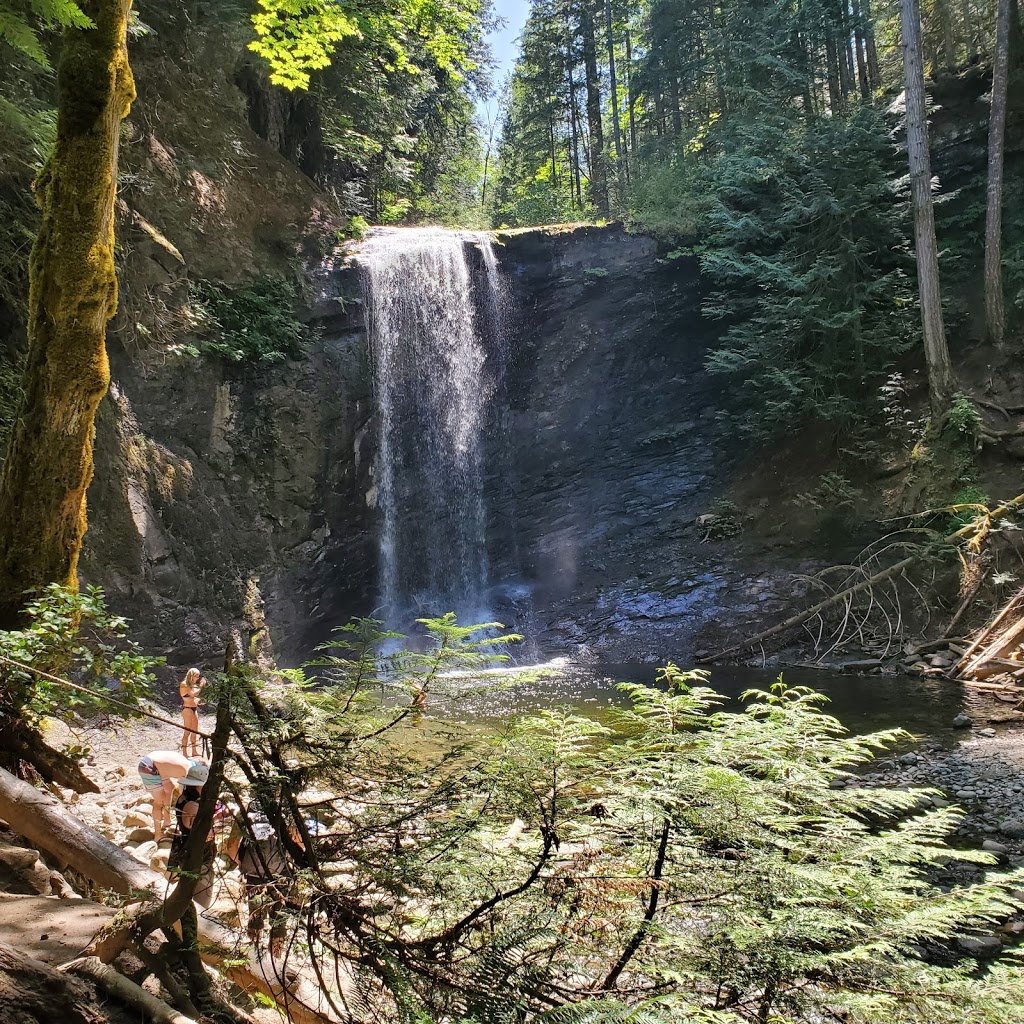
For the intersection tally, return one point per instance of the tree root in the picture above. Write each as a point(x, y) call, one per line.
point(126, 991)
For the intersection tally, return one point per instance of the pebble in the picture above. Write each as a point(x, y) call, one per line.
point(993, 847)
point(962, 722)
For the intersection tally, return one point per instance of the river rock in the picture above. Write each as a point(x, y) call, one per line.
point(1012, 827)
point(138, 817)
point(988, 733)
point(962, 722)
point(909, 758)
point(981, 946)
point(140, 835)
point(144, 852)
point(993, 847)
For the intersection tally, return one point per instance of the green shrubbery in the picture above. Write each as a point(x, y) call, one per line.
point(72, 634)
point(671, 849)
point(674, 861)
point(252, 324)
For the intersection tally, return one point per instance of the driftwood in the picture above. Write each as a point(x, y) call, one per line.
point(126, 990)
point(968, 658)
point(995, 653)
point(842, 596)
point(43, 820)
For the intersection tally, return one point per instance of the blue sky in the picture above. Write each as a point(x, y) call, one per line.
point(505, 47)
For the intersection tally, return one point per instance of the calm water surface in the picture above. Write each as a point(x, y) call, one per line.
point(925, 707)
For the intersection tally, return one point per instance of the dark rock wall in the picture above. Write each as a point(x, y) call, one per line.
point(612, 442)
point(606, 444)
point(208, 476)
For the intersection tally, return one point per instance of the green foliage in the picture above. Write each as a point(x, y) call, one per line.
point(802, 239)
point(20, 23)
point(722, 520)
point(963, 418)
point(967, 505)
point(298, 37)
point(73, 635)
point(835, 498)
point(703, 855)
point(252, 324)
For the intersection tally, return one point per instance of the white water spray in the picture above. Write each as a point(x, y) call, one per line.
point(433, 301)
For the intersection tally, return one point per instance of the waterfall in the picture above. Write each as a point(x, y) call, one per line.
point(433, 301)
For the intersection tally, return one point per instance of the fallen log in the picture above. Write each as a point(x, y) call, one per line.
point(126, 991)
point(44, 822)
point(32, 992)
point(879, 577)
point(988, 630)
point(1005, 643)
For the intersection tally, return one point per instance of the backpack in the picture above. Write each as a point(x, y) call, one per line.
point(263, 855)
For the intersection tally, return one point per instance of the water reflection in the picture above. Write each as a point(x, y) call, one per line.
point(924, 706)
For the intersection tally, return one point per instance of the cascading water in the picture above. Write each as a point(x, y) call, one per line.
point(433, 301)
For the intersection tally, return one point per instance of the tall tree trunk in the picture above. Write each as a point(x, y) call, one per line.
point(995, 315)
point(969, 37)
point(72, 295)
point(846, 72)
point(613, 82)
point(858, 41)
point(630, 94)
point(573, 133)
point(948, 42)
point(835, 93)
point(874, 76)
point(936, 351)
point(598, 178)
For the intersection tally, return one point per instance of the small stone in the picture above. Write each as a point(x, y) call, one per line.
point(140, 835)
point(138, 817)
point(987, 732)
point(145, 852)
point(908, 758)
point(993, 847)
point(981, 946)
point(962, 722)
point(1012, 827)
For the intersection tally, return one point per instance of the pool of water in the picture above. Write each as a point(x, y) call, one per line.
point(923, 706)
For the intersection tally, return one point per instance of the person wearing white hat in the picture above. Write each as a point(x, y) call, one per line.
point(158, 771)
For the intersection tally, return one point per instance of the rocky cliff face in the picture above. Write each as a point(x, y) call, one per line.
point(612, 444)
point(605, 445)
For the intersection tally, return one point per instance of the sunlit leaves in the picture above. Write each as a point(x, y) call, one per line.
point(20, 23)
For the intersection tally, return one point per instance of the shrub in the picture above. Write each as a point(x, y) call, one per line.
point(252, 324)
point(73, 634)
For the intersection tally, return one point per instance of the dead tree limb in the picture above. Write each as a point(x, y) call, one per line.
point(865, 584)
point(987, 632)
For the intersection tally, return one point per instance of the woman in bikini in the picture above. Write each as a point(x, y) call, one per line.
point(189, 689)
point(158, 771)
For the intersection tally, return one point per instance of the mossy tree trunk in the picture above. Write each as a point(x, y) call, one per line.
point(941, 383)
point(72, 296)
